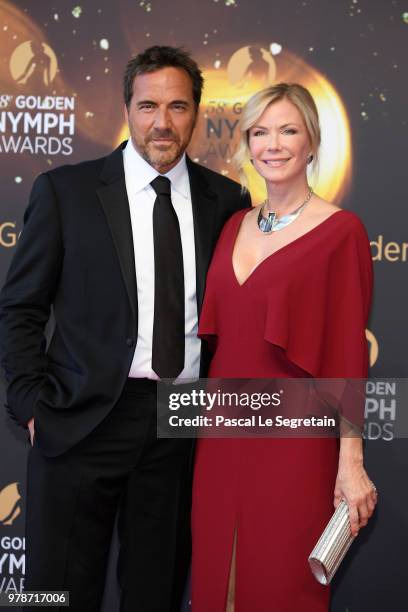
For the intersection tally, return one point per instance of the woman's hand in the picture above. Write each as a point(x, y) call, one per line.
point(354, 486)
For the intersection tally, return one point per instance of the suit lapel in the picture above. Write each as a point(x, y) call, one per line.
point(114, 200)
point(204, 202)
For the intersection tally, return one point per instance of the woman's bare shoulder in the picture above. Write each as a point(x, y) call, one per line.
point(320, 208)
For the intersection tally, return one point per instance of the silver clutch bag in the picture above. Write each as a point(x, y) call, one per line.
point(332, 546)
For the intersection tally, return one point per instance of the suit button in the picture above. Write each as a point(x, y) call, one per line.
point(129, 342)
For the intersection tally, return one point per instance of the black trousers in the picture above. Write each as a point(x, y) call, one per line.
point(72, 501)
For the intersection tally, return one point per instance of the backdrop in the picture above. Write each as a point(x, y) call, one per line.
point(61, 69)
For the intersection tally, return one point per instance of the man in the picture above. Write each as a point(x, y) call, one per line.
point(119, 247)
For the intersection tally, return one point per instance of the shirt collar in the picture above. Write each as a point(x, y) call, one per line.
point(139, 173)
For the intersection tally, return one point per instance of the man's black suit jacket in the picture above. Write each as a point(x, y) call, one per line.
point(76, 255)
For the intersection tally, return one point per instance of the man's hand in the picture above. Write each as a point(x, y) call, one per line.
point(30, 426)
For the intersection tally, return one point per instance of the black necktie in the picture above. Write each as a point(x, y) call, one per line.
point(168, 326)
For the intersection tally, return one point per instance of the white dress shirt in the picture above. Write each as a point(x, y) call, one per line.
point(141, 195)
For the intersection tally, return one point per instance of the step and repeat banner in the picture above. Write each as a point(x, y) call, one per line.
point(61, 67)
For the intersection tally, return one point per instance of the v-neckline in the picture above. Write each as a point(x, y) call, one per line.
point(265, 259)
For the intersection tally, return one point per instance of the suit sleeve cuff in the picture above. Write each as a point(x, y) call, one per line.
point(23, 410)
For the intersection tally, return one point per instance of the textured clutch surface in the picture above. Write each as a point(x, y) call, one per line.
point(332, 546)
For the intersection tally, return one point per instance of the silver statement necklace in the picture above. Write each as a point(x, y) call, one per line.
point(270, 224)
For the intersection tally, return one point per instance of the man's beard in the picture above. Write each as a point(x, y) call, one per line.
point(162, 157)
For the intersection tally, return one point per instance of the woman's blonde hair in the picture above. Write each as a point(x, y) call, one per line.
point(259, 102)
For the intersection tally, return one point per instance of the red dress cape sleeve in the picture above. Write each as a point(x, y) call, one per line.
point(320, 318)
point(320, 315)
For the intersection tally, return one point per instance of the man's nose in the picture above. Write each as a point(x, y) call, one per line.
point(162, 118)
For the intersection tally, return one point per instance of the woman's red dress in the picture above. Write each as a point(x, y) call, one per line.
point(301, 313)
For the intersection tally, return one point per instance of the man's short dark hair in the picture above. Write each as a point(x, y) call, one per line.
point(157, 57)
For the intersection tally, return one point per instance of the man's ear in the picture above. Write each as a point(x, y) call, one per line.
point(126, 114)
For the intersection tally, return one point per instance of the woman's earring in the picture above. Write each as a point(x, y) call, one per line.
point(310, 158)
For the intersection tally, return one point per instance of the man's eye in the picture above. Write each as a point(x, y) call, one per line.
point(146, 106)
point(179, 107)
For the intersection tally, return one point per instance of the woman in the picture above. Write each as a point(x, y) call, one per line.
point(287, 295)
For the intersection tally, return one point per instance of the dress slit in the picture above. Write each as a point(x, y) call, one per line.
point(232, 575)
